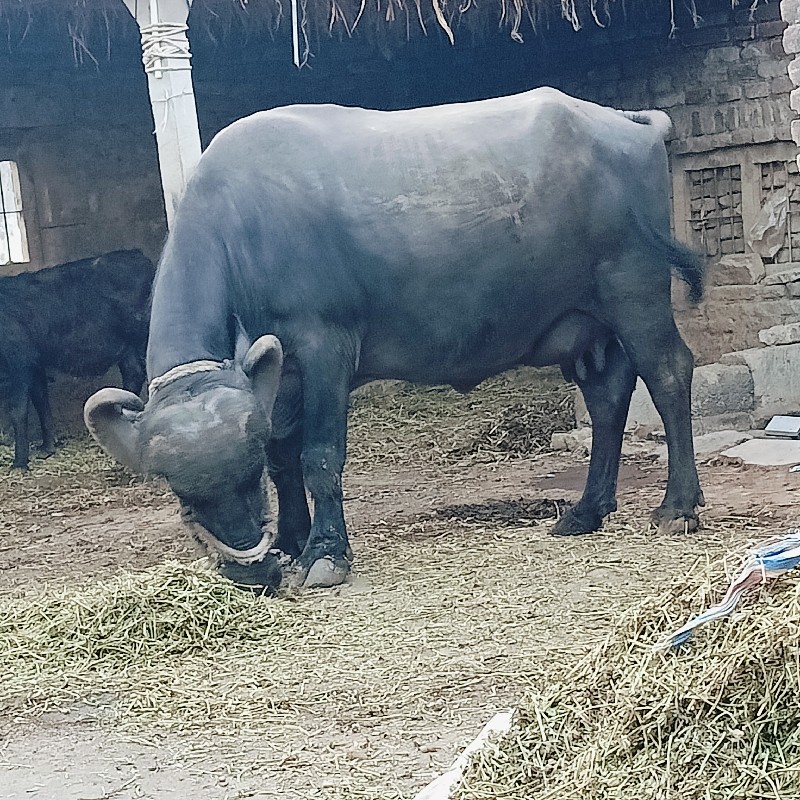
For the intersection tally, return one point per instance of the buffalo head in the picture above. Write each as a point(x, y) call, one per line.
point(205, 428)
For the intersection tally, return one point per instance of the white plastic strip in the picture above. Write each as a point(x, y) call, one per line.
point(295, 35)
point(440, 788)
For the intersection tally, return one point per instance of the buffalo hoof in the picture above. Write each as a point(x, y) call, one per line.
point(327, 572)
point(262, 577)
point(21, 467)
point(576, 524)
point(671, 522)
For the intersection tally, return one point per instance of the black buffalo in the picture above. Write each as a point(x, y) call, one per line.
point(435, 245)
point(78, 318)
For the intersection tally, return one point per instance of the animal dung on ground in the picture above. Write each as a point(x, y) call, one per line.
point(714, 719)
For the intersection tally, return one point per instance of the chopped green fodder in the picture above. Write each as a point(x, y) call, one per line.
point(717, 719)
point(166, 611)
point(148, 640)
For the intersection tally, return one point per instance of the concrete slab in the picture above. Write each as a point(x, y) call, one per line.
point(767, 452)
point(718, 441)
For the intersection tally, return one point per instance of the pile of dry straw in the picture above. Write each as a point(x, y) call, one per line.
point(717, 718)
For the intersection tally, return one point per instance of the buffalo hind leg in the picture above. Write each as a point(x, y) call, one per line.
point(667, 374)
point(40, 397)
point(647, 330)
point(286, 471)
point(607, 389)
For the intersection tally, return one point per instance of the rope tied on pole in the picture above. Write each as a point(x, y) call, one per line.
point(165, 47)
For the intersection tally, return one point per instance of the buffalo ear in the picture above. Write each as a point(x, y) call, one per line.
point(262, 365)
point(113, 429)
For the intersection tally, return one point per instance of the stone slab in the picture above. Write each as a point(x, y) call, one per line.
point(766, 452)
point(780, 334)
point(717, 389)
point(776, 376)
point(716, 442)
point(738, 421)
point(787, 276)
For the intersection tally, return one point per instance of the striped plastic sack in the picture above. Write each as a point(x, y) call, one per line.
point(769, 559)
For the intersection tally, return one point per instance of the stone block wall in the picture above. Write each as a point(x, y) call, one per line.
point(724, 83)
point(790, 12)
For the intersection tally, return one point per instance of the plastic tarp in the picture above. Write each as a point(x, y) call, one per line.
point(768, 233)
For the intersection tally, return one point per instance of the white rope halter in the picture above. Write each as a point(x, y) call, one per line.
point(243, 557)
point(181, 371)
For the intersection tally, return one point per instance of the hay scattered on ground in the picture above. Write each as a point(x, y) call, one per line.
point(170, 610)
point(79, 477)
point(511, 415)
point(717, 719)
point(356, 693)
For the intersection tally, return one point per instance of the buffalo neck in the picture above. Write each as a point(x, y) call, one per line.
point(190, 319)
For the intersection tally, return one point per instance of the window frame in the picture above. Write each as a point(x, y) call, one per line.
point(749, 159)
point(5, 214)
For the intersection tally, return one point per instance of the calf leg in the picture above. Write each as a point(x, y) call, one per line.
point(607, 389)
point(41, 402)
point(133, 372)
point(18, 410)
point(286, 472)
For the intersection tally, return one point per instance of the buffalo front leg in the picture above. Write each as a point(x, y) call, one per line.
point(607, 387)
point(286, 471)
point(326, 375)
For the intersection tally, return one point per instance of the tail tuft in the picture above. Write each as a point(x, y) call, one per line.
point(687, 264)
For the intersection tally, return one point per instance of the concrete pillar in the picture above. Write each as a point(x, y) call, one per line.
point(165, 52)
point(790, 11)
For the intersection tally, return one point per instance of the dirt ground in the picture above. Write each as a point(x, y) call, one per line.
point(460, 602)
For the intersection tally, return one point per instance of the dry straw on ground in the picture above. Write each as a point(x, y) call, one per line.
point(506, 416)
point(716, 719)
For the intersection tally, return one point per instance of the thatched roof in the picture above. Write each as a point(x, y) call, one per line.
point(83, 20)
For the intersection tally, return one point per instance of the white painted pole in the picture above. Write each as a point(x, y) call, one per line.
point(165, 52)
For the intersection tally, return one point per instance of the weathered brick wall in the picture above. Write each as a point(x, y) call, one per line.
point(790, 12)
point(723, 84)
point(82, 137)
point(727, 89)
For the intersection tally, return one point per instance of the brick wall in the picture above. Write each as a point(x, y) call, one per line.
point(727, 88)
point(82, 137)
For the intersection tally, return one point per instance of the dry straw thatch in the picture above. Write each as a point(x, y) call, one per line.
point(717, 719)
point(86, 21)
